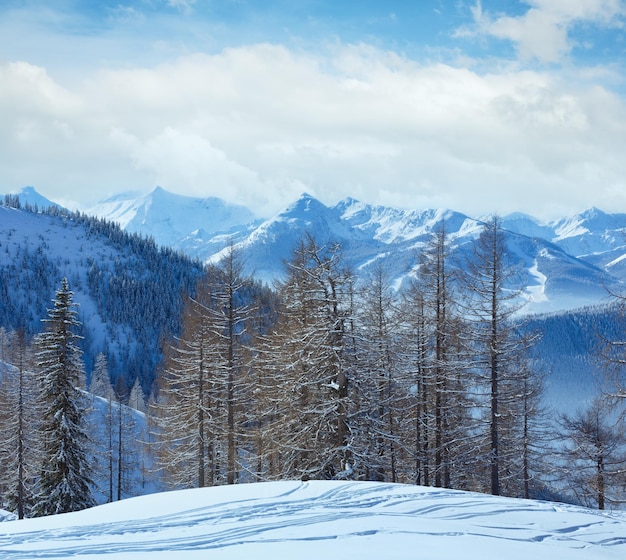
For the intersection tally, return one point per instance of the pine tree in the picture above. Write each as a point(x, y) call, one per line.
point(65, 483)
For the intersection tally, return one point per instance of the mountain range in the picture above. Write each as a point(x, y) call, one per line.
point(563, 264)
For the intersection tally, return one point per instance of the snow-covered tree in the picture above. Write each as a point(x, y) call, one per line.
point(185, 406)
point(594, 456)
point(20, 441)
point(498, 349)
point(228, 317)
point(65, 482)
point(377, 403)
point(313, 431)
point(100, 386)
point(434, 361)
point(205, 385)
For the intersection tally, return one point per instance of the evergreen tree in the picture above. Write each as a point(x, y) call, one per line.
point(65, 483)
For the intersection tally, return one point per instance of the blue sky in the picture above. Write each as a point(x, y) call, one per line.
point(479, 106)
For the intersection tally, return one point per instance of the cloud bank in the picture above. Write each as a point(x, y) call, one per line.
point(258, 124)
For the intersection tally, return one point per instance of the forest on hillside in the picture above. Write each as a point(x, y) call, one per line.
point(321, 376)
point(135, 287)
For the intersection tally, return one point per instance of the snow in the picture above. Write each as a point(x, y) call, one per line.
point(376, 235)
point(616, 261)
point(537, 293)
point(320, 519)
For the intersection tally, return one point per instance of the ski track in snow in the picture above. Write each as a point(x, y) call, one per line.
point(299, 514)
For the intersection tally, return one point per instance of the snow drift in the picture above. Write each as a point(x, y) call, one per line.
point(321, 519)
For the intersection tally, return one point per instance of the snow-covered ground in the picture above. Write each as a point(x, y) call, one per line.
point(320, 520)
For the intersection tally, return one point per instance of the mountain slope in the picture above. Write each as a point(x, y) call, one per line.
point(29, 197)
point(321, 519)
point(593, 236)
point(376, 236)
point(129, 292)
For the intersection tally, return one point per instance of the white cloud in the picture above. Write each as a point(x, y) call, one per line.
point(259, 124)
point(544, 31)
point(182, 5)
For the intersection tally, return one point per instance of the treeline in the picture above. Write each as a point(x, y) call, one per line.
point(331, 377)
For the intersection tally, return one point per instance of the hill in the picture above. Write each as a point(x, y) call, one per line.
point(128, 290)
point(321, 519)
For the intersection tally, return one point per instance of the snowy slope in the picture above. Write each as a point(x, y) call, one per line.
point(315, 520)
point(271, 243)
point(373, 236)
point(593, 236)
point(126, 289)
point(66, 245)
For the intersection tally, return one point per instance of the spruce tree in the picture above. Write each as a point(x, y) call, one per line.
point(65, 483)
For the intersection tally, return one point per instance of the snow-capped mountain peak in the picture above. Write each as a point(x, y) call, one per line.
point(29, 196)
point(169, 218)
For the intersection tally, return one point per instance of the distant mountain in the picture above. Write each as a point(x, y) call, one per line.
point(593, 236)
point(29, 197)
point(564, 264)
point(172, 220)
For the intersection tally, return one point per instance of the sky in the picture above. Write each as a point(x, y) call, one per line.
point(479, 106)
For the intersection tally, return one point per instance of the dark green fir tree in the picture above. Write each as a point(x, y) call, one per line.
point(65, 483)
